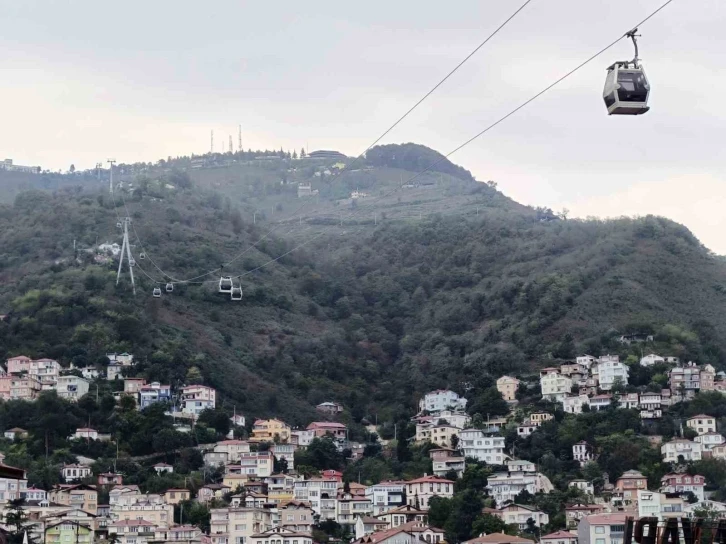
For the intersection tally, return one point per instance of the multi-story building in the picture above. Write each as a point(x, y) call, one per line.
point(709, 441)
point(320, 493)
point(235, 525)
point(286, 452)
point(256, 464)
point(280, 488)
point(445, 460)
point(559, 537)
point(176, 495)
point(505, 486)
point(386, 496)
point(660, 505)
point(330, 409)
point(350, 507)
point(270, 430)
point(682, 483)
point(482, 447)
point(573, 404)
point(520, 465)
point(24, 387)
point(133, 531)
point(337, 431)
point(46, 370)
point(708, 378)
point(681, 449)
point(150, 507)
point(582, 452)
point(197, 398)
point(74, 473)
point(651, 359)
point(685, 380)
point(297, 516)
point(628, 485)
point(601, 529)
point(71, 387)
point(519, 515)
point(555, 386)
point(650, 405)
point(421, 490)
point(233, 449)
point(81, 496)
point(279, 535)
point(702, 423)
point(13, 482)
point(68, 531)
point(440, 400)
point(582, 485)
point(508, 386)
point(301, 437)
point(600, 402)
point(152, 393)
point(574, 513)
point(526, 428)
point(585, 360)
point(610, 372)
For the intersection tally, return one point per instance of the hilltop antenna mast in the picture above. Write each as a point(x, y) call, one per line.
point(239, 142)
point(110, 173)
point(231, 150)
point(212, 143)
point(127, 248)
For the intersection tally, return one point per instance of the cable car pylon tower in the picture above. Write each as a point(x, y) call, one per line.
point(125, 247)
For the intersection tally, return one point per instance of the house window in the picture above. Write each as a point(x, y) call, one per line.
point(599, 530)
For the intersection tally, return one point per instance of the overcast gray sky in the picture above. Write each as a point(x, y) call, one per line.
point(83, 81)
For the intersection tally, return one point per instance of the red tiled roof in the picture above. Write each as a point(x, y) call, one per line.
point(498, 538)
point(560, 534)
point(430, 479)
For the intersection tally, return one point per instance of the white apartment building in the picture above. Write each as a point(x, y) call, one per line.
point(71, 387)
point(233, 448)
point(702, 424)
point(440, 400)
point(75, 473)
point(520, 465)
point(13, 482)
point(709, 441)
point(585, 360)
point(583, 485)
point(651, 405)
point(682, 483)
point(519, 515)
point(320, 493)
point(582, 452)
point(286, 452)
point(385, 496)
point(680, 447)
point(651, 359)
point(573, 404)
point(658, 505)
point(235, 525)
point(460, 420)
point(555, 386)
point(505, 486)
point(302, 437)
point(482, 447)
point(601, 529)
point(197, 398)
point(611, 372)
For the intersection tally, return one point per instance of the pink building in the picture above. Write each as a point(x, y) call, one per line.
point(24, 387)
point(18, 364)
point(322, 428)
point(197, 398)
point(5, 382)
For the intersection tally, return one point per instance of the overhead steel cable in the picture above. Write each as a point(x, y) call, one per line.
point(466, 143)
point(349, 166)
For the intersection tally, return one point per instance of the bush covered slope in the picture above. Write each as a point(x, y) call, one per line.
point(371, 319)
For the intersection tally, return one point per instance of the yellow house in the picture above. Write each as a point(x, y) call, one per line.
point(68, 531)
point(175, 496)
point(234, 481)
point(270, 430)
point(508, 386)
point(80, 496)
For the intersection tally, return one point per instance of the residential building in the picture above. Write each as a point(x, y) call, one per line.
point(574, 513)
point(197, 398)
point(301, 437)
point(182, 534)
point(236, 525)
point(403, 515)
point(13, 482)
point(440, 400)
point(629, 401)
point(257, 464)
point(337, 431)
point(331, 409)
point(520, 465)
point(650, 405)
point(555, 386)
point(385, 496)
point(35, 494)
point(442, 435)
point(110, 479)
point(600, 402)
point(81, 496)
point(421, 490)
point(133, 531)
point(233, 449)
point(297, 516)
point(132, 386)
point(683, 483)
point(582, 453)
point(175, 496)
point(601, 529)
point(320, 493)
point(519, 515)
point(526, 428)
point(680, 449)
point(505, 486)
point(286, 452)
point(350, 507)
point(610, 372)
point(280, 488)
point(88, 372)
point(583, 485)
point(537, 418)
point(702, 424)
point(585, 360)
point(708, 378)
point(153, 393)
point(508, 386)
point(559, 537)
point(651, 359)
point(445, 460)
point(573, 404)
point(75, 473)
point(629, 484)
point(5, 386)
point(498, 538)
point(68, 531)
point(85, 433)
point(279, 535)
point(270, 430)
point(45, 370)
point(24, 387)
point(482, 447)
point(709, 441)
point(114, 371)
point(18, 365)
point(460, 420)
point(163, 468)
point(238, 420)
point(124, 359)
point(71, 387)
point(685, 380)
point(16, 433)
point(660, 505)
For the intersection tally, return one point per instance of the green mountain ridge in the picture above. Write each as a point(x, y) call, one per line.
point(371, 314)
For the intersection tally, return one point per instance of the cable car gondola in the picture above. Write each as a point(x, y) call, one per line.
point(225, 284)
point(236, 293)
point(142, 255)
point(626, 87)
point(157, 292)
point(169, 287)
point(132, 262)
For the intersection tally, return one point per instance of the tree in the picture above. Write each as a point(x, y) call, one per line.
point(466, 507)
point(302, 153)
point(532, 528)
point(487, 524)
point(216, 419)
point(489, 402)
point(439, 511)
point(455, 441)
point(17, 519)
point(72, 169)
point(322, 453)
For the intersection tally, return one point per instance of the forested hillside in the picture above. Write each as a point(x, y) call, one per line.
point(370, 318)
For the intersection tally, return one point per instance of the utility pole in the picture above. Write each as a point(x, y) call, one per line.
point(239, 142)
point(110, 173)
point(211, 148)
point(126, 247)
point(230, 145)
point(254, 217)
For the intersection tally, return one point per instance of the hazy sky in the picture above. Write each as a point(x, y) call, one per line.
point(84, 81)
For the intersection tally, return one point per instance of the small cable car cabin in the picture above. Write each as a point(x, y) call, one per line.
point(225, 284)
point(627, 89)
